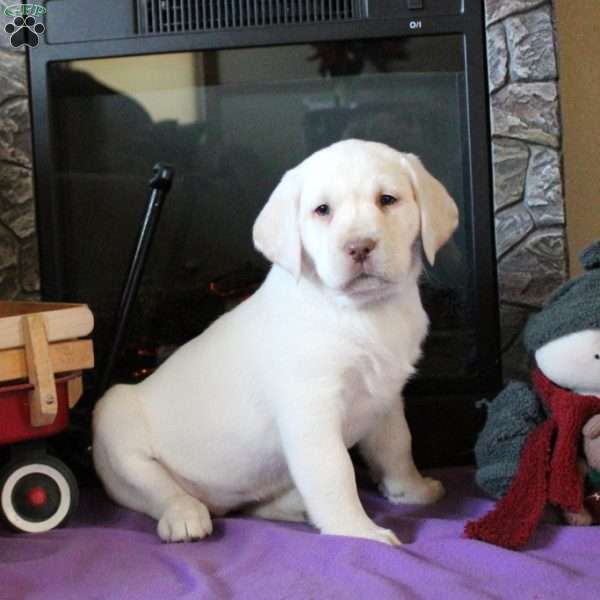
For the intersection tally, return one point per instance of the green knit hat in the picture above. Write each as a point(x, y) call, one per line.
point(574, 306)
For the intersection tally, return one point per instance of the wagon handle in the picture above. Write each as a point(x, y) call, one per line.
point(160, 184)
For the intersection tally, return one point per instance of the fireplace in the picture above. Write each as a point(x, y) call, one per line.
point(241, 92)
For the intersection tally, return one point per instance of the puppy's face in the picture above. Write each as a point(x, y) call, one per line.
point(358, 218)
point(350, 214)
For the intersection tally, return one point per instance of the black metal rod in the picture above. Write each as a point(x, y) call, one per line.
point(160, 184)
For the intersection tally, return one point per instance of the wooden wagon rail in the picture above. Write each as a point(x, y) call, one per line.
point(39, 340)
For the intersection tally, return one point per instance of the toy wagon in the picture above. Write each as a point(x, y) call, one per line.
point(41, 359)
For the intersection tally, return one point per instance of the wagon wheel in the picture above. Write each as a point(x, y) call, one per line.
point(37, 494)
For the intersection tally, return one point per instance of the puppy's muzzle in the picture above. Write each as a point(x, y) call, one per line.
point(360, 249)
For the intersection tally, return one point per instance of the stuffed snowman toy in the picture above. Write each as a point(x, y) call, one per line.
point(538, 444)
point(589, 466)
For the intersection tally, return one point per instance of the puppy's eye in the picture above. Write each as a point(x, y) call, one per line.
point(387, 200)
point(597, 356)
point(323, 209)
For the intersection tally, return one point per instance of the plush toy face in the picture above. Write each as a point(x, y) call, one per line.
point(573, 361)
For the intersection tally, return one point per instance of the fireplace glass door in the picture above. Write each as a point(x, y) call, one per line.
point(232, 122)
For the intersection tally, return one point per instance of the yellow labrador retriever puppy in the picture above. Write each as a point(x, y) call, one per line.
point(258, 412)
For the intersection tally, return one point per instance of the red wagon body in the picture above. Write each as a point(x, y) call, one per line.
point(15, 421)
point(41, 359)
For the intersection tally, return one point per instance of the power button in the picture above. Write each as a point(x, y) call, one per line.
point(414, 4)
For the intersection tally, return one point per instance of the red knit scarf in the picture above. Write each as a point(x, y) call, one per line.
point(547, 469)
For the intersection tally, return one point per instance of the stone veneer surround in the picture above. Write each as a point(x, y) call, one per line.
point(18, 245)
point(526, 139)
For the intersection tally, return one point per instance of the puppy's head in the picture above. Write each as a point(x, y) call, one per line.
point(350, 215)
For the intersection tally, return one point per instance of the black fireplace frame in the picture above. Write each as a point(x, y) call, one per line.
point(451, 415)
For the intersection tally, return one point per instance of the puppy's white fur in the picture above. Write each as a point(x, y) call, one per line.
point(257, 413)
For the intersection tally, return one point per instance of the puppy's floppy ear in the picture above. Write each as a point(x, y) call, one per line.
point(276, 231)
point(439, 215)
point(592, 428)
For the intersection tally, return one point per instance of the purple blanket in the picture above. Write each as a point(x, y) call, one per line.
point(108, 552)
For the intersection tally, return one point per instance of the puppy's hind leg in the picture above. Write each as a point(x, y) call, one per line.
point(288, 506)
point(133, 477)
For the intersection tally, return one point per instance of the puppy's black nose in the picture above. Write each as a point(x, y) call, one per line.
point(359, 250)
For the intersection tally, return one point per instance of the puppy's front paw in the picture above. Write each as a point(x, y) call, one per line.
point(367, 531)
point(385, 536)
point(421, 490)
point(184, 520)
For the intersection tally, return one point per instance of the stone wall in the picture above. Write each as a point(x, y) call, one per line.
point(526, 140)
point(528, 195)
point(18, 246)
